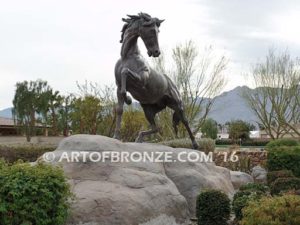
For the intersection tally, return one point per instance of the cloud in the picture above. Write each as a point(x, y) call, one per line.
point(68, 41)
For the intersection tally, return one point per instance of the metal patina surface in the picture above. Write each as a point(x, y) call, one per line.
point(153, 90)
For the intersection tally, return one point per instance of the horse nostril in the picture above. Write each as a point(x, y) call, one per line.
point(157, 52)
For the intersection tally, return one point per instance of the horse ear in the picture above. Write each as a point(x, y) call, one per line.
point(158, 22)
point(125, 20)
point(145, 16)
point(134, 17)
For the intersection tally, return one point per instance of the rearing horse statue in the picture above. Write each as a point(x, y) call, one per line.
point(153, 90)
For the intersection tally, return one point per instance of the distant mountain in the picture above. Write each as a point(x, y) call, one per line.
point(230, 105)
point(6, 113)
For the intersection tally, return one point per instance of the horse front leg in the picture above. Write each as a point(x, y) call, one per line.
point(119, 110)
point(141, 78)
point(123, 90)
point(124, 74)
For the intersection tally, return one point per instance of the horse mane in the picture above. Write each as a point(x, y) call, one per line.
point(146, 18)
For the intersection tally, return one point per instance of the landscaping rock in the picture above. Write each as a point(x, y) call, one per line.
point(133, 193)
point(259, 174)
point(240, 178)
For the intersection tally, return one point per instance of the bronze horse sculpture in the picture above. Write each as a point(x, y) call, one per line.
point(153, 90)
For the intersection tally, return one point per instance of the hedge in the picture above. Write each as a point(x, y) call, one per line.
point(273, 211)
point(33, 194)
point(285, 184)
point(255, 187)
point(274, 175)
point(284, 158)
point(282, 142)
point(205, 144)
point(212, 208)
point(246, 193)
point(250, 142)
point(27, 153)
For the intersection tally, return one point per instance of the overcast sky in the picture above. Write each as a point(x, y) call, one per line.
point(68, 41)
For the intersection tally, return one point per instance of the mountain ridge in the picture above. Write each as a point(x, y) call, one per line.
point(227, 106)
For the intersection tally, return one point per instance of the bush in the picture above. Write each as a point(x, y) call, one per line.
point(282, 142)
point(205, 144)
point(254, 142)
point(285, 184)
point(25, 153)
point(273, 175)
point(255, 187)
point(273, 211)
point(212, 208)
point(33, 194)
point(250, 142)
point(284, 158)
point(224, 142)
point(241, 200)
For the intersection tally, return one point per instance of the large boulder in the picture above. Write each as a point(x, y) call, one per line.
point(133, 193)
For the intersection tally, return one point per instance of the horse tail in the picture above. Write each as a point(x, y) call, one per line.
point(176, 121)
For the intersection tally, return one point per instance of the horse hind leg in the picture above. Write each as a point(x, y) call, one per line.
point(176, 120)
point(179, 111)
point(150, 113)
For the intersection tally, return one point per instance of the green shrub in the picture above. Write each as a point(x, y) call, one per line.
point(25, 153)
point(250, 142)
point(254, 142)
point(247, 192)
point(284, 158)
point(212, 208)
point(273, 175)
point(241, 200)
point(285, 184)
point(282, 142)
point(255, 187)
point(224, 142)
point(281, 210)
point(205, 144)
point(33, 194)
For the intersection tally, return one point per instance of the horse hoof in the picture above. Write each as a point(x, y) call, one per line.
point(117, 136)
point(195, 145)
point(128, 100)
point(139, 140)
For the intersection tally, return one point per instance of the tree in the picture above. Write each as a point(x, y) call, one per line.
point(24, 107)
point(107, 113)
point(64, 114)
point(199, 79)
point(55, 103)
point(29, 99)
point(239, 129)
point(132, 123)
point(210, 128)
point(86, 114)
point(276, 97)
point(42, 94)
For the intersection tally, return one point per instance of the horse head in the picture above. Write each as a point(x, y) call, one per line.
point(147, 28)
